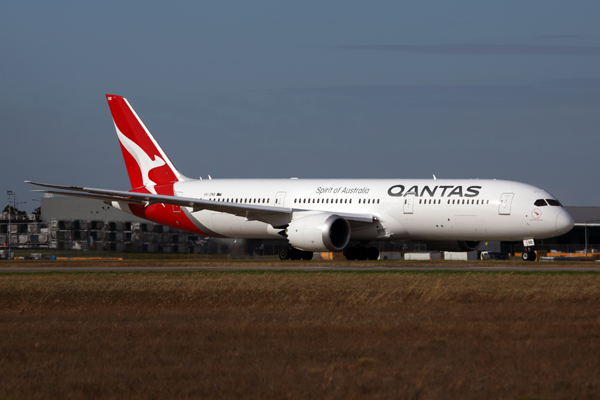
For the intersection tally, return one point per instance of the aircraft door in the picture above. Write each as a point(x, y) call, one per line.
point(505, 203)
point(279, 198)
point(408, 204)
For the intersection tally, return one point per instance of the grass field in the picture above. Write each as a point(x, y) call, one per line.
point(300, 335)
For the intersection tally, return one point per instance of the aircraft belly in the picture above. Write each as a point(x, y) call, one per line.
point(237, 227)
point(223, 224)
point(468, 226)
point(447, 227)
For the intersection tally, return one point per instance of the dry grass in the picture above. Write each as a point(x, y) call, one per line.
point(300, 335)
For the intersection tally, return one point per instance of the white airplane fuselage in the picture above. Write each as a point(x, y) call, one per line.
point(441, 209)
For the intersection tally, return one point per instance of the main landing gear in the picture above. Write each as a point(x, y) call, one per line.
point(529, 253)
point(358, 252)
point(361, 253)
point(290, 253)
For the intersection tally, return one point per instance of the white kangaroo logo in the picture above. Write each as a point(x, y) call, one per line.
point(144, 161)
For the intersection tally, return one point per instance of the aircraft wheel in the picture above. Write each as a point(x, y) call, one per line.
point(284, 254)
point(528, 256)
point(373, 253)
point(307, 255)
point(362, 253)
point(295, 254)
point(350, 253)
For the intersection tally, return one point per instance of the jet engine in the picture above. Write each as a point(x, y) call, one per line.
point(452, 245)
point(319, 232)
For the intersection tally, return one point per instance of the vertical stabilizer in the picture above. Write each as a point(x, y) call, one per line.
point(147, 164)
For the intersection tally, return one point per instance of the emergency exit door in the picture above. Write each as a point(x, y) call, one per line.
point(408, 204)
point(505, 203)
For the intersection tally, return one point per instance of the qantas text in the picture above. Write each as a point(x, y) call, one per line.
point(442, 191)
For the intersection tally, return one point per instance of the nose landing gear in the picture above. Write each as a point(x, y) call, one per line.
point(529, 253)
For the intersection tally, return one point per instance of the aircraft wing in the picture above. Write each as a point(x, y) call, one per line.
point(275, 216)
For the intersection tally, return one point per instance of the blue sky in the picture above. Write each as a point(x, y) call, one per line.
point(339, 89)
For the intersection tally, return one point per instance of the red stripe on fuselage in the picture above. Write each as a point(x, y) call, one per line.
point(164, 213)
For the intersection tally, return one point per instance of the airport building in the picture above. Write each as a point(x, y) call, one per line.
point(80, 225)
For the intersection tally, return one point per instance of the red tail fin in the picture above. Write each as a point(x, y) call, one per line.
point(147, 164)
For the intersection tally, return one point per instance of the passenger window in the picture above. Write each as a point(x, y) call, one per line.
point(540, 203)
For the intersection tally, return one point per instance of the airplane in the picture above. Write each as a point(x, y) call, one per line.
point(320, 215)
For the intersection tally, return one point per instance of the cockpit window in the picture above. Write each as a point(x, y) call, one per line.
point(554, 202)
point(540, 203)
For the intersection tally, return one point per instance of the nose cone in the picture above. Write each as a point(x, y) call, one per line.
point(564, 222)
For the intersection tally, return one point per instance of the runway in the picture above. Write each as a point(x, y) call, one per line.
point(415, 268)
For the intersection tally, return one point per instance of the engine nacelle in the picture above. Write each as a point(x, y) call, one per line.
point(319, 232)
point(452, 245)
